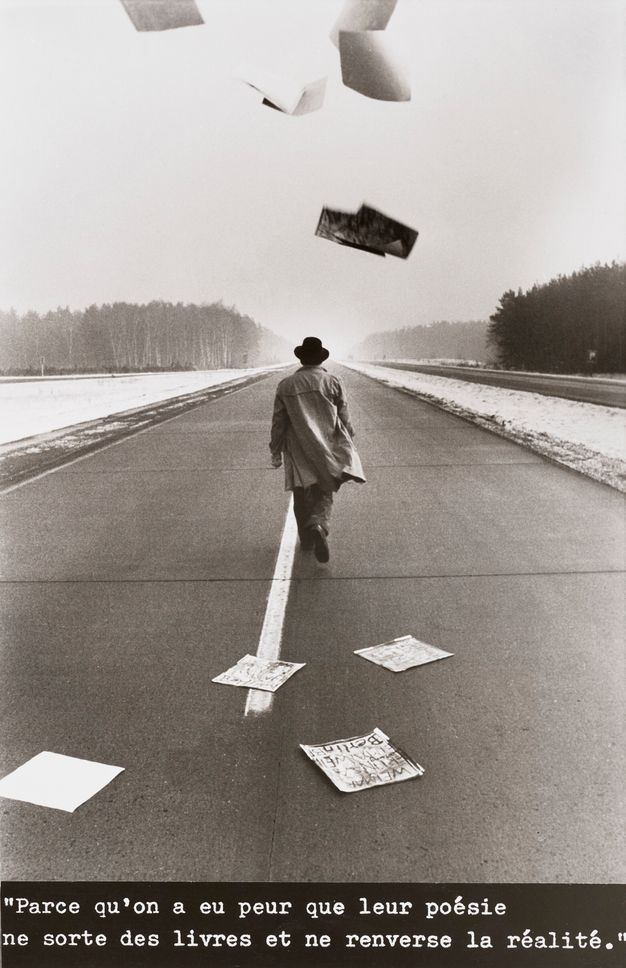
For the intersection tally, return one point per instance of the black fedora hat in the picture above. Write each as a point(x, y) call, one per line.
point(311, 352)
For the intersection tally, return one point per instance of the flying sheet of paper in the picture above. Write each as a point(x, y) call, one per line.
point(341, 227)
point(385, 233)
point(368, 66)
point(403, 653)
point(367, 229)
point(255, 673)
point(282, 93)
point(162, 14)
point(58, 781)
point(313, 97)
point(362, 15)
point(345, 228)
point(311, 100)
point(363, 761)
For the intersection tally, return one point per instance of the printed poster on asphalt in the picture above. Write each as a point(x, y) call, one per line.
point(255, 673)
point(403, 653)
point(365, 761)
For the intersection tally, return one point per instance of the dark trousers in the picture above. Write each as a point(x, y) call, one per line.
point(312, 506)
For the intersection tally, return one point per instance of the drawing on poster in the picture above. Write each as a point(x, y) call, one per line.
point(367, 229)
point(361, 762)
point(252, 672)
point(162, 14)
point(57, 781)
point(403, 653)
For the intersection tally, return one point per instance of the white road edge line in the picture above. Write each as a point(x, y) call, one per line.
point(260, 701)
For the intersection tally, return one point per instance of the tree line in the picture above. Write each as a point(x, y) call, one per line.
point(125, 337)
point(572, 324)
point(441, 340)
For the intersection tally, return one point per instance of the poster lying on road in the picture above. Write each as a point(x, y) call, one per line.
point(363, 761)
point(403, 653)
point(254, 673)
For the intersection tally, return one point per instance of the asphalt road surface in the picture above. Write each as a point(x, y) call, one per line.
point(132, 577)
point(609, 393)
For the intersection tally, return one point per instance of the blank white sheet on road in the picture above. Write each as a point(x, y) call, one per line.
point(162, 14)
point(362, 15)
point(403, 653)
point(57, 781)
point(252, 672)
point(361, 762)
point(368, 66)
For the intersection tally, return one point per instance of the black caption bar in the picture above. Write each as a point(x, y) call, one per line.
point(121, 924)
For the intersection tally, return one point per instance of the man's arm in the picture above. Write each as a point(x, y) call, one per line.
point(280, 421)
point(341, 402)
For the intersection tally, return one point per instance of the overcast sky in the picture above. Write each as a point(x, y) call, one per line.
point(135, 166)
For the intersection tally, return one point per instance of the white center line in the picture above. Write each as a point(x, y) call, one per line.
point(260, 701)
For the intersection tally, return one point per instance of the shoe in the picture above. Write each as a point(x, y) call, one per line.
point(320, 544)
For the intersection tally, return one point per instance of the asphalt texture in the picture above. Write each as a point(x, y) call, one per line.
point(132, 577)
point(598, 390)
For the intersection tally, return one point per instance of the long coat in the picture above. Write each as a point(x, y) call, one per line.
point(311, 428)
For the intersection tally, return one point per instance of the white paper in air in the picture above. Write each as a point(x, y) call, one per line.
point(313, 97)
point(362, 15)
point(368, 66)
point(162, 14)
point(282, 92)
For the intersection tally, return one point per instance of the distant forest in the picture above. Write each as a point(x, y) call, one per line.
point(443, 340)
point(556, 326)
point(551, 328)
point(125, 337)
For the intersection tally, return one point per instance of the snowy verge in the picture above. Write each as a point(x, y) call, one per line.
point(584, 436)
point(490, 368)
point(29, 458)
point(41, 405)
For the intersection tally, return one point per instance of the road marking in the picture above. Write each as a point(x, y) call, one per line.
point(260, 701)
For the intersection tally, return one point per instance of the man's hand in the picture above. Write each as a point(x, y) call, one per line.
point(277, 461)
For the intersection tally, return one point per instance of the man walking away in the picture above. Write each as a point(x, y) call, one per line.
point(311, 428)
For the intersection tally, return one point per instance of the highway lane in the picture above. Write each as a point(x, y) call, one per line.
point(131, 578)
point(609, 393)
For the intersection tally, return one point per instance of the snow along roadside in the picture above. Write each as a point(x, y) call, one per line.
point(30, 458)
point(584, 436)
point(41, 405)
